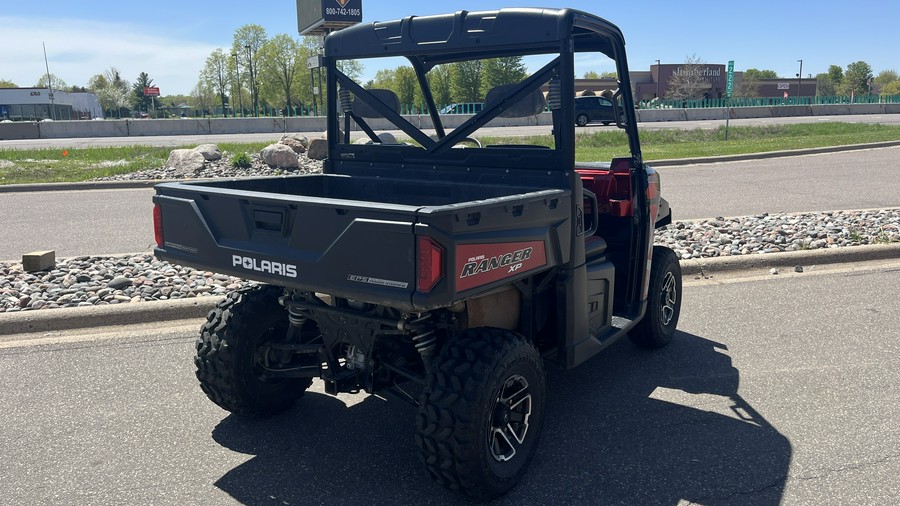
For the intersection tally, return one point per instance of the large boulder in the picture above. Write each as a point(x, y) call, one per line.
point(318, 149)
point(186, 161)
point(210, 152)
point(281, 156)
point(297, 137)
point(297, 146)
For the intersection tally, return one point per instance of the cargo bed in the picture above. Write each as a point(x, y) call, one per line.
point(356, 237)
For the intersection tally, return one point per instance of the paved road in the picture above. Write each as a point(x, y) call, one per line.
point(777, 391)
point(119, 221)
point(193, 140)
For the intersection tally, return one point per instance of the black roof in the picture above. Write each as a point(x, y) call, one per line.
point(462, 35)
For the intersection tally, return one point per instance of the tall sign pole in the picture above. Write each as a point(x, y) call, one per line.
point(49, 83)
point(729, 87)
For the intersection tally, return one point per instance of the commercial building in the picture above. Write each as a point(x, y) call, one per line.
point(35, 104)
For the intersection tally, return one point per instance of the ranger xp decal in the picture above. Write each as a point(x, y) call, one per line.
point(480, 264)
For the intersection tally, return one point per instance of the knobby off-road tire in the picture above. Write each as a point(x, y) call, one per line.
point(481, 412)
point(229, 358)
point(657, 327)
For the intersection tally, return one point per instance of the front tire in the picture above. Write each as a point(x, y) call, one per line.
point(657, 327)
point(481, 412)
point(582, 120)
point(231, 354)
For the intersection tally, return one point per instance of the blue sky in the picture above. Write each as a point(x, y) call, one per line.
point(170, 40)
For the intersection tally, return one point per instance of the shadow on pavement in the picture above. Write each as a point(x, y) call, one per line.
point(628, 427)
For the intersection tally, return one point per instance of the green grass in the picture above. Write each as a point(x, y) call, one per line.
point(50, 165)
point(672, 143)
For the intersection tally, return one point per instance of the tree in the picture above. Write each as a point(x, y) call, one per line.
point(465, 80)
point(857, 79)
point(439, 79)
point(7, 84)
point(248, 40)
point(760, 74)
point(202, 97)
point(500, 71)
point(215, 76)
point(891, 88)
point(687, 83)
point(56, 82)
point(283, 64)
point(884, 78)
point(406, 86)
point(113, 92)
point(142, 101)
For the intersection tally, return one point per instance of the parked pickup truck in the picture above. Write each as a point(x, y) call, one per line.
point(446, 270)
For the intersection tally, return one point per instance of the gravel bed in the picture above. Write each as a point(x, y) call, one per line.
point(219, 169)
point(103, 280)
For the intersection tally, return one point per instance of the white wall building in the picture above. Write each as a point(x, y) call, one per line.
point(33, 104)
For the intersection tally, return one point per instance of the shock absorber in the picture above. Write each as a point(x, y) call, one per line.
point(425, 341)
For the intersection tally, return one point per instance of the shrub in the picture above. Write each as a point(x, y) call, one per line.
point(241, 161)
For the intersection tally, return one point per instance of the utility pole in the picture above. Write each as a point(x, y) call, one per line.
point(658, 99)
point(799, 77)
point(237, 71)
point(49, 84)
point(254, 93)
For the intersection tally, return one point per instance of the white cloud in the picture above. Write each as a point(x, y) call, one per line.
point(80, 49)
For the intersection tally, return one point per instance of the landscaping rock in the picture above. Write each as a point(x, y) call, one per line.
point(186, 161)
point(294, 144)
point(297, 137)
point(318, 149)
point(210, 152)
point(279, 155)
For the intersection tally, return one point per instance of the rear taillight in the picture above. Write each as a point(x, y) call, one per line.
point(430, 265)
point(157, 225)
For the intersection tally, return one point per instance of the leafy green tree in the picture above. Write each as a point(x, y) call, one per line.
point(760, 74)
point(891, 88)
point(203, 97)
point(247, 42)
point(58, 84)
point(827, 83)
point(406, 86)
point(142, 101)
point(384, 80)
point(7, 84)
point(215, 76)
point(856, 79)
point(591, 74)
point(439, 80)
point(283, 64)
point(885, 77)
point(500, 71)
point(465, 80)
point(113, 92)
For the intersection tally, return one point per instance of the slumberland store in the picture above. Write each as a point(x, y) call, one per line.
point(655, 82)
point(35, 104)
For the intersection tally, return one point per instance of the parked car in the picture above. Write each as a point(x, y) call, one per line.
point(594, 110)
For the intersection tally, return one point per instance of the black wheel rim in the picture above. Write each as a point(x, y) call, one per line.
point(668, 299)
point(509, 418)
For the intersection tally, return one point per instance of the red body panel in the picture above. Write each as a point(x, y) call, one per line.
point(480, 264)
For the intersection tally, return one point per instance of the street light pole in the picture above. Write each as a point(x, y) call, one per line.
point(799, 77)
point(658, 99)
point(237, 70)
point(253, 92)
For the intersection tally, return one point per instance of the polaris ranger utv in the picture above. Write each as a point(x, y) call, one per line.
point(444, 270)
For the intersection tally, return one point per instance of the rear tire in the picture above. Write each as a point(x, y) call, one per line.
point(481, 412)
point(582, 120)
point(230, 351)
point(657, 327)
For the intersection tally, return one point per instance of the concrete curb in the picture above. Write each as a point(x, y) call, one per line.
point(146, 312)
point(771, 154)
point(805, 258)
point(48, 320)
point(119, 185)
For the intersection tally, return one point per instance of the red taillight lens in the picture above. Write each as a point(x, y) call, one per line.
point(157, 225)
point(431, 264)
